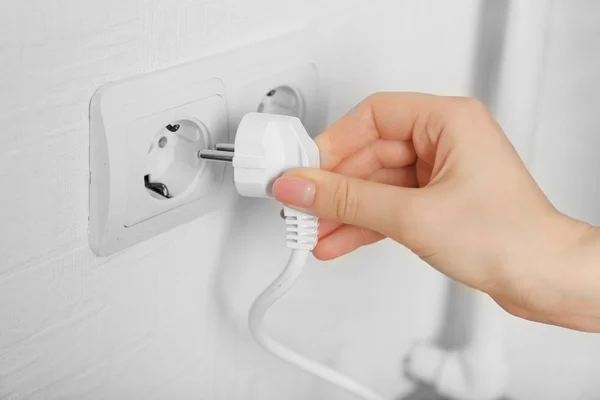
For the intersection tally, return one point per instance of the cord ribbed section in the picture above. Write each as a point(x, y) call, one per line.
point(302, 230)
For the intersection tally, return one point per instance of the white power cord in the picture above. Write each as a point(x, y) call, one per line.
point(266, 146)
point(306, 226)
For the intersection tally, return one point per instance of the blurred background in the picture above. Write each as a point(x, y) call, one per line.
point(166, 318)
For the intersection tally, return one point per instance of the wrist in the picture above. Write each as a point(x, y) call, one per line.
point(580, 275)
point(558, 279)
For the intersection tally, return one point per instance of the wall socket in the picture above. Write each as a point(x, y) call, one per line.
point(145, 132)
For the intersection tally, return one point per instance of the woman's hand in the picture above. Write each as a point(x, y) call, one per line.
point(438, 175)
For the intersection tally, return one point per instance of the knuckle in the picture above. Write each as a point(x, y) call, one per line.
point(370, 101)
point(471, 112)
point(433, 126)
point(345, 201)
point(472, 105)
point(374, 97)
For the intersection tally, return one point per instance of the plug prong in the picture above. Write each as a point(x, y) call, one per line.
point(216, 155)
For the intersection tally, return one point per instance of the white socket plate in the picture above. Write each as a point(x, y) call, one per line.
point(215, 92)
point(125, 118)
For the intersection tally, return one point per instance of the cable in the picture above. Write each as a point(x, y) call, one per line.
point(302, 237)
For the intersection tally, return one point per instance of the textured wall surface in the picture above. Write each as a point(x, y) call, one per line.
point(166, 318)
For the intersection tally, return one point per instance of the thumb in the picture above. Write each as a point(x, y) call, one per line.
point(352, 201)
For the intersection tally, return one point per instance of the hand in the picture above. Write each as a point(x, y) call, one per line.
point(438, 175)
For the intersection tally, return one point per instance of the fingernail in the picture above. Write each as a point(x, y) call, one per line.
point(294, 191)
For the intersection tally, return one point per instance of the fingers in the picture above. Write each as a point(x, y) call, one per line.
point(389, 116)
point(345, 240)
point(388, 154)
point(328, 227)
point(423, 172)
point(347, 200)
point(405, 177)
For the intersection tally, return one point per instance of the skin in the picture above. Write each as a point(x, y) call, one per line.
point(439, 176)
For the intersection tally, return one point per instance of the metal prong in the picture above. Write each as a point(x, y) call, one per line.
point(216, 155)
point(225, 147)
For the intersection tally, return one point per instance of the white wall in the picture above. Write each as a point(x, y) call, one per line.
point(552, 363)
point(166, 319)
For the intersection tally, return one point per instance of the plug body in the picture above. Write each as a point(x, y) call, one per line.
point(267, 145)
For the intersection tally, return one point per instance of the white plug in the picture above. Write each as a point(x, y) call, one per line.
point(266, 146)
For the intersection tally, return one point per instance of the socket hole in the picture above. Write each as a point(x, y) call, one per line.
point(172, 165)
point(159, 188)
point(282, 100)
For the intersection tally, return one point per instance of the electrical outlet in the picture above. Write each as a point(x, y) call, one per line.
point(292, 90)
point(163, 158)
point(145, 173)
point(145, 133)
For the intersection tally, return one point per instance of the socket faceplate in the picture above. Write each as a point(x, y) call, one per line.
point(213, 93)
point(125, 119)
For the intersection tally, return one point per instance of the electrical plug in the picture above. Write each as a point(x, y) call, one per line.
point(267, 145)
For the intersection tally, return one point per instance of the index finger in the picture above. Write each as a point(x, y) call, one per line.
point(390, 116)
